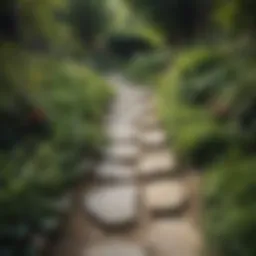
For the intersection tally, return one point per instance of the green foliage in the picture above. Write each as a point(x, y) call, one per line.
point(13, 71)
point(75, 99)
point(39, 25)
point(36, 173)
point(204, 75)
point(146, 67)
point(180, 20)
point(235, 16)
point(247, 15)
point(89, 18)
point(34, 177)
point(192, 130)
point(225, 14)
point(230, 207)
point(206, 100)
point(225, 149)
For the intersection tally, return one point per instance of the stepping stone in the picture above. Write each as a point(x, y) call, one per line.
point(117, 120)
point(125, 107)
point(165, 197)
point(115, 248)
point(122, 132)
point(157, 164)
point(128, 117)
point(149, 108)
point(113, 171)
point(174, 238)
point(123, 153)
point(153, 139)
point(149, 122)
point(133, 108)
point(113, 207)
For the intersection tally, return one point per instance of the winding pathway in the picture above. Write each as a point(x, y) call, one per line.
point(140, 202)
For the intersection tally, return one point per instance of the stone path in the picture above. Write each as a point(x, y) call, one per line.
point(140, 203)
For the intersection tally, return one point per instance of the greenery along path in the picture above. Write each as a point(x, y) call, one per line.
point(139, 203)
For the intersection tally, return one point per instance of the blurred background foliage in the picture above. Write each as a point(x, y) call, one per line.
point(51, 110)
point(199, 54)
point(207, 101)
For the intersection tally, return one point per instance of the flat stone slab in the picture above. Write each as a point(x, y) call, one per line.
point(115, 248)
point(123, 152)
point(157, 164)
point(149, 122)
point(148, 107)
point(119, 119)
point(131, 114)
point(174, 238)
point(121, 132)
point(153, 139)
point(165, 197)
point(113, 206)
point(114, 171)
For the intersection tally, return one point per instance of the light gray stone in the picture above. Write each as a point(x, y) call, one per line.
point(114, 171)
point(115, 248)
point(131, 112)
point(174, 238)
point(157, 164)
point(153, 139)
point(121, 132)
point(113, 206)
point(165, 196)
point(123, 152)
point(149, 108)
point(149, 122)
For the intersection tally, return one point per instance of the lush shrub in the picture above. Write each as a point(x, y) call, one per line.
point(191, 129)
point(75, 100)
point(203, 74)
point(224, 149)
point(146, 67)
point(89, 19)
point(35, 175)
point(230, 220)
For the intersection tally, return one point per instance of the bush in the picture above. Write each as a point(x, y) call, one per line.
point(75, 99)
point(230, 206)
point(191, 129)
point(225, 150)
point(34, 177)
point(203, 75)
point(35, 174)
point(146, 67)
point(89, 20)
